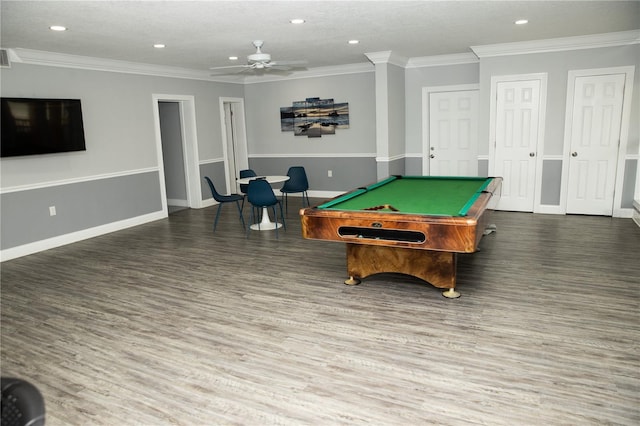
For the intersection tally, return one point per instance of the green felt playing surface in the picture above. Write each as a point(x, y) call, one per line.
point(416, 195)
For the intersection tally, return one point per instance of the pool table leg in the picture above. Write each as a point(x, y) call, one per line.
point(352, 281)
point(451, 293)
point(435, 267)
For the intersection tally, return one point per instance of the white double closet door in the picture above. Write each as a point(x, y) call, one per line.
point(592, 140)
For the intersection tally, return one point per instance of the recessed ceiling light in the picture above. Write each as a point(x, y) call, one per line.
point(521, 22)
point(297, 21)
point(233, 58)
point(159, 46)
point(57, 28)
point(354, 41)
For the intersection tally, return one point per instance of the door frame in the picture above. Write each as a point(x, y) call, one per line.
point(493, 104)
point(187, 109)
point(240, 139)
point(426, 115)
point(624, 133)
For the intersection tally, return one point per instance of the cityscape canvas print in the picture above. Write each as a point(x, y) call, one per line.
point(314, 117)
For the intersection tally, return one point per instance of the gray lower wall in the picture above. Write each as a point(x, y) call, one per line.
point(628, 188)
point(79, 206)
point(215, 172)
point(348, 172)
point(397, 167)
point(551, 179)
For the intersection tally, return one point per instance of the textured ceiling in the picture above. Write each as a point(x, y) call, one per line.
point(203, 34)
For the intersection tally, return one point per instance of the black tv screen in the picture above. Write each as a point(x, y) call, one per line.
point(40, 126)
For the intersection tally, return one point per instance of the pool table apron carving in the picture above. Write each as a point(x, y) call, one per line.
point(385, 240)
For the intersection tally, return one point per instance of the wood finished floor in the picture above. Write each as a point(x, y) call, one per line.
point(169, 324)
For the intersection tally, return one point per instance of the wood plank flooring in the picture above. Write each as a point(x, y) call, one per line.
point(170, 324)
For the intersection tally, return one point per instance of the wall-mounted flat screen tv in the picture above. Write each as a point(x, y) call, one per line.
point(40, 126)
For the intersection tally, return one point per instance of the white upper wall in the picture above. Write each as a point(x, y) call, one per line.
point(264, 100)
point(118, 120)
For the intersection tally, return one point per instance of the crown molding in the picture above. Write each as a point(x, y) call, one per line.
point(558, 44)
point(52, 59)
point(440, 60)
point(38, 57)
point(387, 57)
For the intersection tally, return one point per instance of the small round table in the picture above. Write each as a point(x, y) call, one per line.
point(265, 224)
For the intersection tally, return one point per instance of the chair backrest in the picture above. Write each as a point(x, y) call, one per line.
point(260, 193)
point(214, 193)
point(22, 403)
point(297, 180)
point(245, 174)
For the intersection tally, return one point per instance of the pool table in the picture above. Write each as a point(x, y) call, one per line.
point(413, 225)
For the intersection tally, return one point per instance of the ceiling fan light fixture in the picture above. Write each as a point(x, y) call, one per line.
point(259, 58)
point(262, 61)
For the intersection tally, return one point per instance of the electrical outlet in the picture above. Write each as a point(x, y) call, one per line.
point(52, 210)
point(329, 173)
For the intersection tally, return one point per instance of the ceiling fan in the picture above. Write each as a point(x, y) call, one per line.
point(261, 61)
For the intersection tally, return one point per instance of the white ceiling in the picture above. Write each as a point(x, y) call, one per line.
point(203, 34)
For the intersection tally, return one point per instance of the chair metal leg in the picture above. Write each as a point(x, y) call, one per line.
point(240, 211)
point(275, 219)
point(250, 221)
point(215, 222)
point(284, 225)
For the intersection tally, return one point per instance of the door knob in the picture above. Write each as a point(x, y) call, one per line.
point(432, 156)
point(574, 154)
point(532, 154)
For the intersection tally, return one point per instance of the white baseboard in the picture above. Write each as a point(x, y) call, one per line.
point(61, 240)
point(623, 213)
point(323, 194)
point(549, 209)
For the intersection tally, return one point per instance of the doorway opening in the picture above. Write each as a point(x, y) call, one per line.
point(177, 153)
point(234, 138)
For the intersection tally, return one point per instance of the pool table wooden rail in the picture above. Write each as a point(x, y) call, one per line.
point(460, 234)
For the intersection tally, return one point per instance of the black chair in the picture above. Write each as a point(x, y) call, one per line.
point(261, 196)
point(244, 186)
point(221, 199)
point(297, 183)
point(22, 403)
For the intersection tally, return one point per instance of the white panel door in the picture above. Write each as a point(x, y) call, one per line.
point(453, 133)
point(517, 133)
point(595, 136)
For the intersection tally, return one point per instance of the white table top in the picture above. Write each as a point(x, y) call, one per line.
point(270, 179)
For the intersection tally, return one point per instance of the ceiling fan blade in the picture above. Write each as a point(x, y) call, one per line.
point(287, 63)
point(230, 66)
